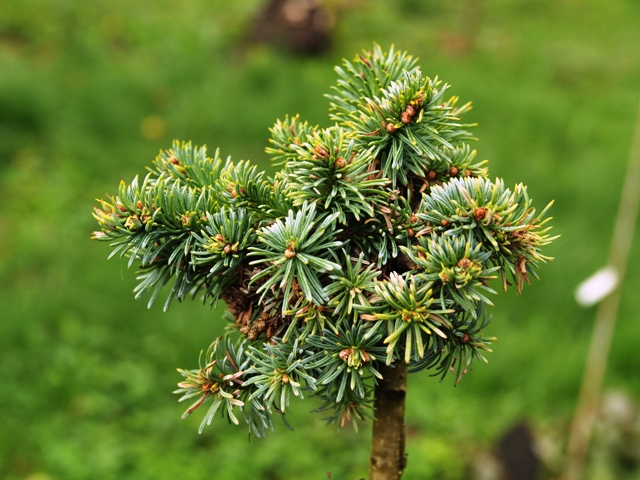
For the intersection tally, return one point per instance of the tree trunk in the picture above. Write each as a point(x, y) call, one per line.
point(387, 451)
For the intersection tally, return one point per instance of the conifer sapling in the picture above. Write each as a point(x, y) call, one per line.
point(371, 251)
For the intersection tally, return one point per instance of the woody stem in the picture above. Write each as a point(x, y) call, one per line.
point(388, 458)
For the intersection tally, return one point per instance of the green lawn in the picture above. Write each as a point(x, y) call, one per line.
point(91, 91)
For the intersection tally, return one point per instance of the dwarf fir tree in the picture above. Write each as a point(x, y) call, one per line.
point(370, 253)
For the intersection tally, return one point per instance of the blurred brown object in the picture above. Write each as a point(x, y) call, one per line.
point(300, 26)
point(517, 455)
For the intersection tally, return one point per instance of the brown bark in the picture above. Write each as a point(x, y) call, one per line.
point(388, 458)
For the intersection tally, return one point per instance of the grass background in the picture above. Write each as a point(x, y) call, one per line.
point(89, 93)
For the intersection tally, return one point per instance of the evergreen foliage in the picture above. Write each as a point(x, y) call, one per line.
point(375, 242)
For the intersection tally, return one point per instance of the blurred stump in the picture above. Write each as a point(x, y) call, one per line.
point(517, 455)
point(301, 26)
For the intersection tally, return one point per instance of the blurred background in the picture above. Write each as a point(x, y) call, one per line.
point(90, 91)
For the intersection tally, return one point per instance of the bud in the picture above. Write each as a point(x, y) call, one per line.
point(344, 354)
point(321, 151)
point(480, 213)
point(464, 263)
